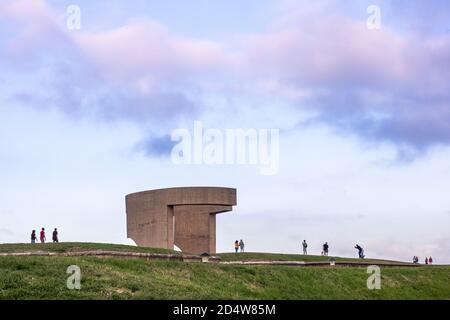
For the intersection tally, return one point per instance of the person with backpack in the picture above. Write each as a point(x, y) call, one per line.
point(360, 251)
point(242, 245)
point(33, 237)
point(42, 235)
point(236, 246)
point(325, 249)
point(55, 236)
point(305, 246)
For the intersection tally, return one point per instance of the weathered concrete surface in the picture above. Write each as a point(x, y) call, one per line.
point(185, 217)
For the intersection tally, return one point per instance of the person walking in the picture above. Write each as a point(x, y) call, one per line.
point(33, 237)
point(360, 251)
point(426, 260)
point(236, 246)
point(55, 236)
point(305, 246)
point(325, 249)
point(42, 236)
point(242, 245)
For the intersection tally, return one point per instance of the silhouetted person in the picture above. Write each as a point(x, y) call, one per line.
point(241, 245)
point(325, 249)
point(33, 237)
point(42, 236)
point(426, 260)
point(305, 246)
point(55, 236)
point(360, 251)
point(236, 246)
point(430, 261)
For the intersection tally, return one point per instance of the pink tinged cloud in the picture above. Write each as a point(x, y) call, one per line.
point(33, 16)
point(146, 49)
point(336, 64)
point(32, 30)
point(331, 51)
point(353, 72)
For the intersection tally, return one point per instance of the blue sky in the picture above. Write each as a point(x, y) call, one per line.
point(364, 118)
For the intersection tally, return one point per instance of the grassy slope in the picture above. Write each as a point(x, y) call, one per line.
point(108, 278)
point(256, 256)
point(77, 246)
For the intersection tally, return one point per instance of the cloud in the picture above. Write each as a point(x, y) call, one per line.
point(383, 85)
point(378, 84)
point(147, 53)
point(159, 146)
point(50, 68)
point(27, 30)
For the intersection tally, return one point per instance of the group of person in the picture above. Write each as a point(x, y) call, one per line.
point(326, 247)
point(239, 245)
point(42, 236)
point(427, 260)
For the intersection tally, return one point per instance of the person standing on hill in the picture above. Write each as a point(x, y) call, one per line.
point(360, 251)
point(426, 260)
point(325, 249)
point(430, 261)
point(236, 246)
point(55, 236)
point(33, 237)
point(242, 245)
point(305, 246)
point(42, 236)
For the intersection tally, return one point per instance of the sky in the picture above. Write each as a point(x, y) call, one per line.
point(363, 114)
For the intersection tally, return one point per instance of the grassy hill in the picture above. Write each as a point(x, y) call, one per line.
point(260, 256)
point(77, 246)
point(119, 278)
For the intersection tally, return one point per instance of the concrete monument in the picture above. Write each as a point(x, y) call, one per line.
point(185, 217)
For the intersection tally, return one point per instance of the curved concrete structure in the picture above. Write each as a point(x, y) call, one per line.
point(185, 217)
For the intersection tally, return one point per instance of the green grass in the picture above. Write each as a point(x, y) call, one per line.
point(120, 278)
point(77, 246)
point(258, 256)
point(247, 256)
